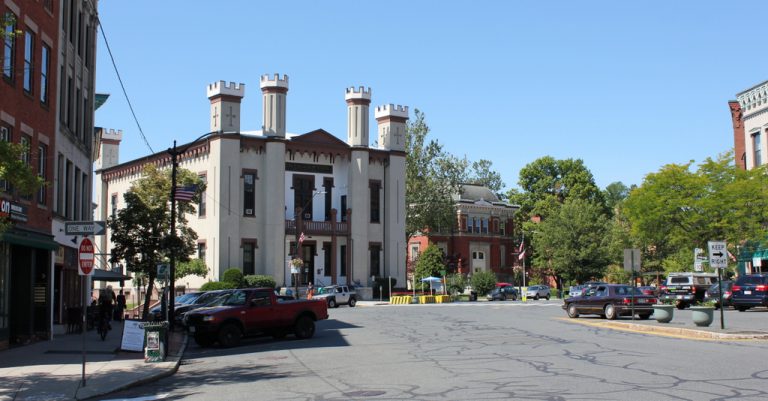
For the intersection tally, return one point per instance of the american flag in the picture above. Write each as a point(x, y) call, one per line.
point(301, 238)
point(185, 193)
point(522, 255)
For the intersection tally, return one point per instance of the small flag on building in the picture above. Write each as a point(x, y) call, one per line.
point(301, 238)
point(520, 248)
point(730, 255)
point(185, 193)
point(522, 255)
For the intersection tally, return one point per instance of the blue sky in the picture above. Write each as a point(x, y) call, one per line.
point(625, 86)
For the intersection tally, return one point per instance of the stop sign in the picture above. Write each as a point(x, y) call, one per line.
point(85, 255)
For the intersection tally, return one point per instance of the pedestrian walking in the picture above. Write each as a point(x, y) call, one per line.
point(120, 306)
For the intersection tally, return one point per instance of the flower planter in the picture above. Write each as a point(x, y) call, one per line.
point(663, 313)
point(703, 315)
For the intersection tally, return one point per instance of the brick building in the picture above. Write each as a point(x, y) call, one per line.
point(483, 238)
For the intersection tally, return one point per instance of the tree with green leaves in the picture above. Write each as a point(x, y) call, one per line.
point(483, 282)
point(614, 194)
point(429, 264)
point(140, 232)
point(483, 174)
point(572, 244)
point(431, 177)
point(678, 209)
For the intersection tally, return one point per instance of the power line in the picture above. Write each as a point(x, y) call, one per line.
point(106, 42)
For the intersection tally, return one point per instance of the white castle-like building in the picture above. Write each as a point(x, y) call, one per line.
point(347, 198)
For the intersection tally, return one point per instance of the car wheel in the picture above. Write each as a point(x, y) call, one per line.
point(572, 311)
point(305, 327)
point(352, 302)
point(680, 305)
point(503, 297)
point(514, 297)
point(536, 297)
point(741, 308)
point(610, 312)
point(203, 340)
point(332, 303)
point(229, 335)
point(645, 316)
point(547, 297)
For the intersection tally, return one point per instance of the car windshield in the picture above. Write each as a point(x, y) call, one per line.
point(187, 298)
point(210, 297)
point(627, 290)
point(325, 290)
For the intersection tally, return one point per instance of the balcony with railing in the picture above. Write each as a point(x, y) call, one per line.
point(310, 227)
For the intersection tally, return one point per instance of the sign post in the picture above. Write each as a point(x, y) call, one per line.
point(632, 264)
point(718, 259)
point(85, 256)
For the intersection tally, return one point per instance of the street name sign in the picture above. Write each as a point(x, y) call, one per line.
point(85, 228)
point(632, 260)
point(85, 255)
point(718, 255)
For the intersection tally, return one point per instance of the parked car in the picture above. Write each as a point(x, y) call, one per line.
point(537, 291)
point(208, 298)
point(688, 288)
point(336, 295)
point(156, 312)
point(610, 301)
point(749, 291)
point(503, 293)
point(648, 290)
point(713, 293)
point(254, 311)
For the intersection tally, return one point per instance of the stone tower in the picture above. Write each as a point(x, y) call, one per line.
point(274, 92)
point(358, 102)
point(225, 106)
point(392, 121)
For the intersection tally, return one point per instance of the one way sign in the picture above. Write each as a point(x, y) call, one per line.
point(718, 254)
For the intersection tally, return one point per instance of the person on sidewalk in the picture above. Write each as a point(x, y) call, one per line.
point(310, 290)
point(120, 311)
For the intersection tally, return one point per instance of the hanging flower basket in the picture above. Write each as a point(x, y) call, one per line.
point(296, 262)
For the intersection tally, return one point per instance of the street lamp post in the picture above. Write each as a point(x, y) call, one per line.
point(299, 222)
point(174, 152)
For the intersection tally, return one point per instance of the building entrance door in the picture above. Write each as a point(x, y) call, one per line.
point(308, 270)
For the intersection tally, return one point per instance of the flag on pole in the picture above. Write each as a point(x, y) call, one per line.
point(185, 193)
point(522, 255)
point(730, 255)
point(301, 238)
point(520, 248)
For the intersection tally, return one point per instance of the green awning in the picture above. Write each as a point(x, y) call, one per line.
point(30, 239)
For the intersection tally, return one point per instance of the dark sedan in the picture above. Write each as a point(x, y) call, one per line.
point(503, 293)
point(713, 293)
point(610, 301)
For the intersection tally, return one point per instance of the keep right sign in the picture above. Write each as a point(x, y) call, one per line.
point(718, 254)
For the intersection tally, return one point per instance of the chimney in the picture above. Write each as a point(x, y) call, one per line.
point(357, 116)
point(274, 92)
point(109, 148)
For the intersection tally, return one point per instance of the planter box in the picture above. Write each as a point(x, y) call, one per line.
point(663, 313)
point(703, 315)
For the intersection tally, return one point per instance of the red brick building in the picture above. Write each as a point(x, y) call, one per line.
point(483, 237)
point(28, 105)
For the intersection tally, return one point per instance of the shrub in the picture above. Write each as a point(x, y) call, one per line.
point(383, 282)
point(456, 283)
point(217, 285)
point(483, 282)
point(259, 280)
point(235, 276)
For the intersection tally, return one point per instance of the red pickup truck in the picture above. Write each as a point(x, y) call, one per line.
point(254, 311)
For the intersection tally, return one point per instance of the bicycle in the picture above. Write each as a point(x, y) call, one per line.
point(103, 327)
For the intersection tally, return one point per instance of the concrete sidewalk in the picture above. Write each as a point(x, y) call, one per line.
point(52, 370)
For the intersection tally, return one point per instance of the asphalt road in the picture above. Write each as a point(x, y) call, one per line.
point(467, 351)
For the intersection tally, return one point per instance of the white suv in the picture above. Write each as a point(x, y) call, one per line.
point(537, 291)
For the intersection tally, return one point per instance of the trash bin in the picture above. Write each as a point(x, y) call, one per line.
point(473, 296)
point(155, 341)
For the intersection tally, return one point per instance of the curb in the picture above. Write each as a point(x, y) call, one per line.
point(148, 379)
point(676, 332)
